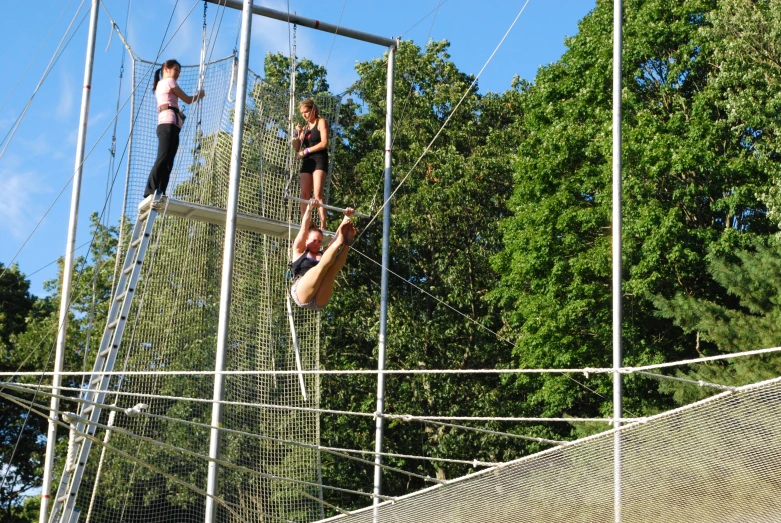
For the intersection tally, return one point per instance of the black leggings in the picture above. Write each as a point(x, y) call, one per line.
point(168, 144)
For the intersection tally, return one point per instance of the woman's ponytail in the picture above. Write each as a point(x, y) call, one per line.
point(158, 76)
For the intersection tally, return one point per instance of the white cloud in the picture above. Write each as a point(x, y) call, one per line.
point(37, 146)
point(6, 123)
point(186, 44)
point(276, 36)
point(65, 104)
point(95, 119)
point(18, 210)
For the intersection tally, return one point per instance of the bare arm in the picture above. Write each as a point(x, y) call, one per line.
point(299, 130)
point(299, 244)
point(322, 126)
point(185, 97)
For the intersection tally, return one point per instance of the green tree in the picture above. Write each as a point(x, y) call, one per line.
point(29, 346)
point(310, 77)
point(747, 318)
point(21, 450)
point(688, 181)
point(745, 37)
point(15, 302)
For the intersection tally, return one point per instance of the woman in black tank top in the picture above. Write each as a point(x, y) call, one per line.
point(315, 270)
point(311, 144)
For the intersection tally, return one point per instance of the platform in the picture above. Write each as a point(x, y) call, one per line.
point(217, 216)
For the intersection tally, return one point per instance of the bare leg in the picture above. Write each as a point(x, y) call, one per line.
point(309, 284)
point(306, 190)
point(326, 288)
point(319, 177)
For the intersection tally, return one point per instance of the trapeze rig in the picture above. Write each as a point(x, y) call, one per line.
point(63, 508)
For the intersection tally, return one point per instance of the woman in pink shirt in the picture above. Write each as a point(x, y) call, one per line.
point(169, 124)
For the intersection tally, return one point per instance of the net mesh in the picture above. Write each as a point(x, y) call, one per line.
point(173, 327)
point(715, 460)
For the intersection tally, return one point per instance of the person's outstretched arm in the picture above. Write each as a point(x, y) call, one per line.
point(185, 97)
point(299, 244)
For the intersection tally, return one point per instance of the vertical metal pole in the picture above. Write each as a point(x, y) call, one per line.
point(617, 410)
point(227, 261)
point(121, 239)
point(386, 218)
point(67, 272)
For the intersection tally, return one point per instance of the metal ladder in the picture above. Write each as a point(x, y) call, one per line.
point(93, 396)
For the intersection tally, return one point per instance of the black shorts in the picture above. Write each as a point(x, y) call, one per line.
point(315, 162)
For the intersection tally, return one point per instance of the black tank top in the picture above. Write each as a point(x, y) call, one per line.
point(302, 264)
point(311, 138)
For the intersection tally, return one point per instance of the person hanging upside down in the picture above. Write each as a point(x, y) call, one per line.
point(311, 144)
point(314, 270)
point(169, 124)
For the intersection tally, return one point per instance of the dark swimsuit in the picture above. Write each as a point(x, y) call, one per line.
point(302, 265)
point(316, 161)
point(299, 268)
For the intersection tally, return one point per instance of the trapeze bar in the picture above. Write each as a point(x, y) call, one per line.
point(309, 22)
point(329, 207)
point(246, 222)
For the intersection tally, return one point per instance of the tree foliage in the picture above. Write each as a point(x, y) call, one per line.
point(689, 181)
point(310, 77)
point(745, 37)
point(30, 326)
point(747, 318)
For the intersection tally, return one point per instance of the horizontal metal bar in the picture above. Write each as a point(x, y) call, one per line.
point(310, 22)
point(329, 207)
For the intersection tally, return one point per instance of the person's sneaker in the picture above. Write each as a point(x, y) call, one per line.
point(159, 204)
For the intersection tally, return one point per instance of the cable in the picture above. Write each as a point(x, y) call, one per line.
point(34, 57)
point(397, 128)
point(494, 432)
point(106, 203)
point(699, 383)
point(55, 58)
point(453, 112)
point(442, 2)
point(499, 336)
point(55, 261)
point(21, 116)
point(333, 40)
point(271, 406)
point(403, 115)
point(188, 452)
point(8, 467)
point(87, 155)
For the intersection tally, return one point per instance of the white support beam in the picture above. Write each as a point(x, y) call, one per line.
point(217, 216)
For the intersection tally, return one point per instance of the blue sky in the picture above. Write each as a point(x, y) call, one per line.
point(39, 160)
